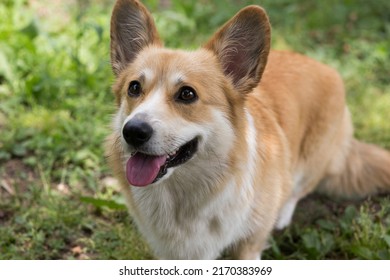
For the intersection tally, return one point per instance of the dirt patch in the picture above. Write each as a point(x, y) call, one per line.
point(5, 215)
point(318, 206)
point(15, 178)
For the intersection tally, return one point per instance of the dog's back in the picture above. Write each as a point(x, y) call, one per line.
point(308, 100)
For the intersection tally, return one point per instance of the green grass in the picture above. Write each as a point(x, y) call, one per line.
point(57, 197)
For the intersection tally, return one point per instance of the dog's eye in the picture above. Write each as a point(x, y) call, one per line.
point(134, 89)
point(186, 95)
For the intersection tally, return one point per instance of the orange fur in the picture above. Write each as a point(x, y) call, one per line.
point(284, 130)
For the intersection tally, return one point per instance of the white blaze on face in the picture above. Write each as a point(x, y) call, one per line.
point(153, 107)
point(177, 78)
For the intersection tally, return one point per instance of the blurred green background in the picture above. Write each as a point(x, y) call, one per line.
point(58, 199)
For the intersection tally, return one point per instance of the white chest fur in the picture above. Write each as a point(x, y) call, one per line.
point(182, 227)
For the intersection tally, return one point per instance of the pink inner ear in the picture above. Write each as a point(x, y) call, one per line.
point(242, 46)
point(236, 65)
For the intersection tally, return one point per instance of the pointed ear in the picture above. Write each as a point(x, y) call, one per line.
point(132, 29)
point(242, 46)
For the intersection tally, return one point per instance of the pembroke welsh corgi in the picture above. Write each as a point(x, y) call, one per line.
point(213, 148)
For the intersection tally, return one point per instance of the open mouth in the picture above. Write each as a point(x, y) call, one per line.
point(143, 169)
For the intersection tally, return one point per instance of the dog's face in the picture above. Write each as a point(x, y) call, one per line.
point(178, 107)
point(170, 112)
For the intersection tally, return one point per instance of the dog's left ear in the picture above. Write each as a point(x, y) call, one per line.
point(132, 29)
point(242, 46)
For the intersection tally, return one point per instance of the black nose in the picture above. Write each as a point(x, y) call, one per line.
point(137, 132)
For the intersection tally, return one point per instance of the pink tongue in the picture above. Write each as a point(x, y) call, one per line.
point(141, 169)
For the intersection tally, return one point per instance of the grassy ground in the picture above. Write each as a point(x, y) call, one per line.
point(57, 197)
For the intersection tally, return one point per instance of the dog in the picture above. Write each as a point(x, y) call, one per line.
point(213, 148)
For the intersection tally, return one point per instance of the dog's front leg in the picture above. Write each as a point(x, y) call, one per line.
point(251, 247)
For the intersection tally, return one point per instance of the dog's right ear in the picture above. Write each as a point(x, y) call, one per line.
point(132, 29)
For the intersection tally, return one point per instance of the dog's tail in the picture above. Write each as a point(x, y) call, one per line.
point(365, 170)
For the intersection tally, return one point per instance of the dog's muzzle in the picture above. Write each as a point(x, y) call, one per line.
point(144, 168)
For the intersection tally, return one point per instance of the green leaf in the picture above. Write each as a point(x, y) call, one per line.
point(31, 30)
point(350, 213)
point(99, 31)
point(5, 67)
point(111, 204)
point(386, 238)
point(4, 155)
point(311, 241)
point(326, 224)
point(19, 150)
point(363, 252)
point(384, 254)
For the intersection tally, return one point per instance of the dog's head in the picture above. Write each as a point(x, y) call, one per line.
point(177, 107)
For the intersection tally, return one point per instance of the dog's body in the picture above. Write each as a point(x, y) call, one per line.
point(209, 157)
